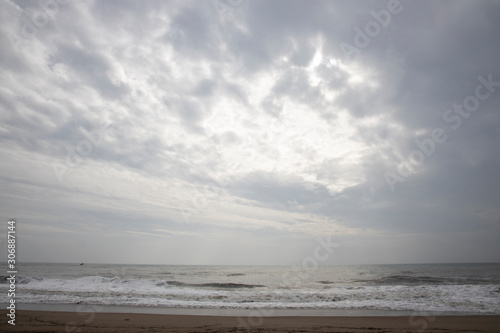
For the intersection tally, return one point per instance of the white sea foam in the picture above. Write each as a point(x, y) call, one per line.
point(479, 298)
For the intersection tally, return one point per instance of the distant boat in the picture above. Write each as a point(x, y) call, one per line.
point(81, 264)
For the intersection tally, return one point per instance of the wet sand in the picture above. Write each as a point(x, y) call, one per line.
point(52, 321)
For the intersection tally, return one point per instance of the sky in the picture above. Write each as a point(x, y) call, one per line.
point(246, 132)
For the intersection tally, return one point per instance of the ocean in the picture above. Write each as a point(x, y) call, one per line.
point(449, 288)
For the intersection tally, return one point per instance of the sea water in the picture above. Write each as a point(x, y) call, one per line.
point(449, 288)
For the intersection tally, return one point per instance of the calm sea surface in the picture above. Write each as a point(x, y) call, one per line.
point(473, 288)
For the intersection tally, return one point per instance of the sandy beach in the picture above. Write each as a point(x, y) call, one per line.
point(48, 321)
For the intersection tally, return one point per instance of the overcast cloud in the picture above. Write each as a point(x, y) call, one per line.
point(240, 131)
